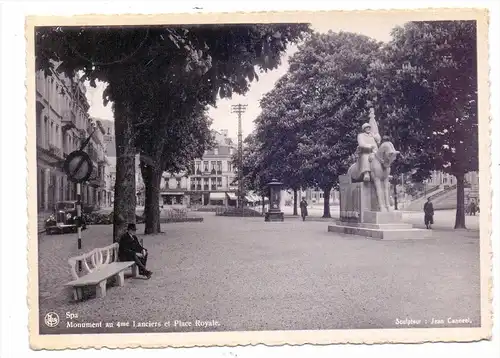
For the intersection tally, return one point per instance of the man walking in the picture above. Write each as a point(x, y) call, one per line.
point(131, 250)
point(428, 213)
point(303, 209)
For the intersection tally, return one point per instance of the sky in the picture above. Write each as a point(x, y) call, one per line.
point(374, 25)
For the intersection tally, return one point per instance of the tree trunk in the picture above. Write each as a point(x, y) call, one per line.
point(295, 192)
point(263, 205)
point(326, 202)
point(395, 197)
point(125, 195)
point(151, 176)
point(460, 214)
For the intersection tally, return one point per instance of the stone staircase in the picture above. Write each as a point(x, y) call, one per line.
point(418, 203)
point(449, 200)
point(445, 199)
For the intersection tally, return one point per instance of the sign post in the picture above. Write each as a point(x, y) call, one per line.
point(79, 219)
point(78, 168)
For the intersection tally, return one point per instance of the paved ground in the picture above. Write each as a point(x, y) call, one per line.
point(443, 219)
point(250, 275)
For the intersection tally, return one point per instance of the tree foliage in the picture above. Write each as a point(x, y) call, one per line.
point(426, 83)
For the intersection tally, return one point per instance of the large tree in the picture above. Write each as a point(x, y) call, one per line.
point(427, 82)
point(328, 90)
point(277, 135)
point(124, 58)
point(185, 140)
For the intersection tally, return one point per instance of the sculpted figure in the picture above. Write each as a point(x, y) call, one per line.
point(368, 143)
point(374, 162)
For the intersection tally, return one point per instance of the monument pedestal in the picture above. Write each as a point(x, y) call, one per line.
point(360, 215)
point(274, 216)
point(381, 226)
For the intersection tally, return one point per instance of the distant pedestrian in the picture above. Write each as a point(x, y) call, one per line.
point(428, 214)
point(473, 208)
point(131, 250)
point(303, 209)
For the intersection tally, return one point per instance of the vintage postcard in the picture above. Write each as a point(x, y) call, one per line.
point(242, 178)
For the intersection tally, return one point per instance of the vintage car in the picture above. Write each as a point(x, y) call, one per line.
point(64, 219)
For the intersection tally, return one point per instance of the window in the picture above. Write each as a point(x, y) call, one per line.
point(39, 124)
point(229, 164)
point(51, 136)
point(178, 183)
point(46, 132)
point(205, 165)
point(219, 182)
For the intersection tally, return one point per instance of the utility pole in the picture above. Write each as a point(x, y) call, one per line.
point(240, 109)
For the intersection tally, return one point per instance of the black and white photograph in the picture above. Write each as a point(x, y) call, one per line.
point(248, 178)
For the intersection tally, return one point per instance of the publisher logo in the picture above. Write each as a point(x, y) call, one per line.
point(51, 319)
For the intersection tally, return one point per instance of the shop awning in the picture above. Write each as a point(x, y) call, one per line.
point(171, 193)
point(250, 198)
point(232, 196)
point(217, 196)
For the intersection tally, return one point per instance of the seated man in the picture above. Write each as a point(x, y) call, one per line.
point(131, 250)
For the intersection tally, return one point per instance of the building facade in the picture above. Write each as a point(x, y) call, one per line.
point(210, 181)
point(62, 124)
point(442, 178)
point(97, 185)
point(110, 150)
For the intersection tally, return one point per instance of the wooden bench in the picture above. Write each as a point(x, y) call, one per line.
point(98, 266)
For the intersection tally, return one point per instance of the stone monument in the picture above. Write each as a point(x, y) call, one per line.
point(364, 192)
point(274, 213)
